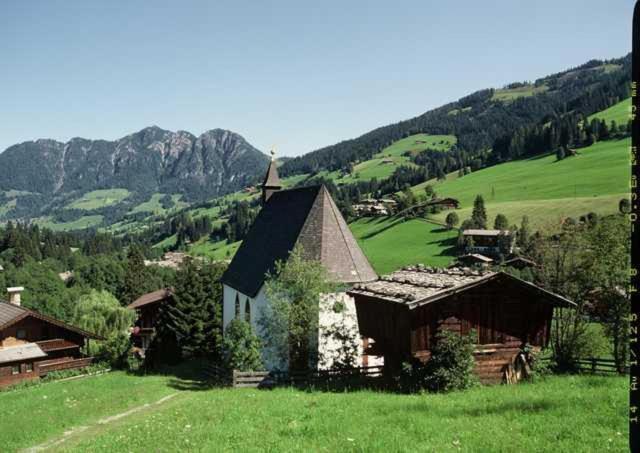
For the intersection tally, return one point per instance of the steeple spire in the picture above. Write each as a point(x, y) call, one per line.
point(271, 182)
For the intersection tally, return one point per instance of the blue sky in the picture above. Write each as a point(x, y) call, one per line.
point(297, 74)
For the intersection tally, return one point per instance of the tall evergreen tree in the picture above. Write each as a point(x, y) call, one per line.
point(479, 213)
point(501, 222)
point(136, 278)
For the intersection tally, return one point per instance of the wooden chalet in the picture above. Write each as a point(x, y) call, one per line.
point(444, 203)
point(488, 242)
point(32, 344)
point(147, 307)
point(404, 311)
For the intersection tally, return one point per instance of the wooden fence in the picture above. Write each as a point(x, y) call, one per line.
point(58, 365)
point(363, 376)
point(594, 365)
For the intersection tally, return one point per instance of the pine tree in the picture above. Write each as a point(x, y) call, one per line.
point(524, 233)
point(501, 222)
point(479, 213)
point(136, 278)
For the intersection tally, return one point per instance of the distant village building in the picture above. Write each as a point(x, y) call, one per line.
point(32, 344)
point(147, 308)
point(374, 207)
point(520, 262)
point(488, 242)
point(444, 203)
point(171, 260)
point(307, 217)
point(404, 311)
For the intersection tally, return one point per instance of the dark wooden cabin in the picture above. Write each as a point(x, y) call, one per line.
point(147, 308)
point(404, 311)
point(32, 344)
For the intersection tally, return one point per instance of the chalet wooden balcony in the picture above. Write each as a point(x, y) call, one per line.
point(66, 363)
point(56, 345)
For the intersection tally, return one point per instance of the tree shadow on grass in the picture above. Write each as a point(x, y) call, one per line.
point(526, 406)
point(187, 376)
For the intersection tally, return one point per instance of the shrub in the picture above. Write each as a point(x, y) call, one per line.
point(115, 350)
point(449, 368)
point(451, 364)
point(241, 347)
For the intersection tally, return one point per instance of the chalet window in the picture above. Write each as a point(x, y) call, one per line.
point(15, 369)
point(28, 367)
point(237, 306)
point(21, 334)
point(247, 311)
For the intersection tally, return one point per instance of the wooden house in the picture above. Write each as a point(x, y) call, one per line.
point(520, 262)
point(474, 259)
point(404, 311)
point(444, 203)
point(147, 307)
point(488, 242)
point(32, 344)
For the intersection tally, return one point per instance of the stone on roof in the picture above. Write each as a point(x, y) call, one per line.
point(21, 352)
point(418, 285)
point(306, 216)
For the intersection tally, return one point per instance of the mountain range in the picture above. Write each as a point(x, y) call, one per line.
point(149, 161)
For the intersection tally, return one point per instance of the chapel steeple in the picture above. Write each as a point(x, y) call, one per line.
point(271, 182)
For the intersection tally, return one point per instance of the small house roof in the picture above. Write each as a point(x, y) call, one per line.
point(150, 298)
point(477, 256)
point(520, 259)
point(307, 216)
point(478, 232)
point(21, 352)
point(415, 286)
point(10, 314)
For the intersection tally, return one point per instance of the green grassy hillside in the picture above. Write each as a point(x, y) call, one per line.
point(618, 113)
point(391, 243)
point(544, 188)
point(383, 164)
point(99, 199)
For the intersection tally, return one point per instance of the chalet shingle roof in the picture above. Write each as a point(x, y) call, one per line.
point(415, 286)
point(306, 216)
point(21, 352)
point(9, 314)
point(150, 298)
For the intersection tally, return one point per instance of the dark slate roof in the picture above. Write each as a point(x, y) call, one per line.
point(150, 298)
point(307, 216)
point(415, 286)
point(9, 314)
point(272, 179)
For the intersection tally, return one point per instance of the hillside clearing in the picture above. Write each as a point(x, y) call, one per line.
point(558, 414)
point(99, 199)
point(391, 243)
point(544, 188)
point(620, 113)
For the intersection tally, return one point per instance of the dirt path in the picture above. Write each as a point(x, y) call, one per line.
point(80, 432)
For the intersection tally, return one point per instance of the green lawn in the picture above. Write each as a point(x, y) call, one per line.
point(558, 414)
point(547, 189)
point(99, 199)
point(391, 243)
point(619, 113)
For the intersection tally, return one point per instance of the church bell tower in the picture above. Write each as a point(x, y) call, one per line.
point(271, 182)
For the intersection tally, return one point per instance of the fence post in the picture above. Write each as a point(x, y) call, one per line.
point(593, 365)
point(235, 372)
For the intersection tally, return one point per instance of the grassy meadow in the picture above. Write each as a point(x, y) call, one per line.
point(557, 414)
point(619, 113)
point(391, 243)
point(99, 199)
point(544, 188)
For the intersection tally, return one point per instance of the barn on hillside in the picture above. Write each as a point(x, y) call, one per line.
point(404, 311)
